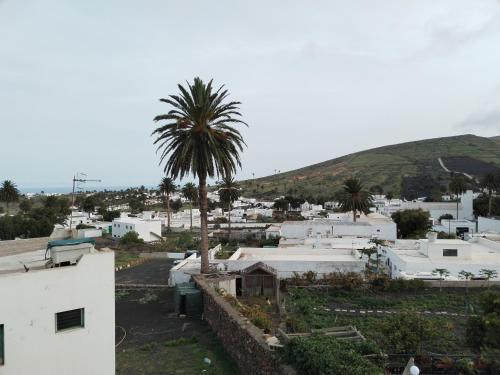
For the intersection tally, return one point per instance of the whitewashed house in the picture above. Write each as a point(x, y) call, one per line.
point(148, 228)
point(488, 224)
point(57, 320)
point(419, 258)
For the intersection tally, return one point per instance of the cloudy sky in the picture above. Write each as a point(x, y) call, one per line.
point(80, 80)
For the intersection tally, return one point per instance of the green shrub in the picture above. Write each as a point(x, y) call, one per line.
point(131, 237)
point(325, 355)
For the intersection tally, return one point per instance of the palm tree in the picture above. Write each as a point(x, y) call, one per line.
point(490, 183)
point(228, 193)
point(9, 193)
point(354, 197)
point(443, 272)
point(466, 275)
point(199, 138)
point(457, 186)
point(488, 274)
point(190, 192)
point(167, 188)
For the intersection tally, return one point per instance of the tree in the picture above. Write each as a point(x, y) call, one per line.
point(88, 204)
point(176, 205)
point(389, 196)
point(167, 188)
point(466, 275)
point(354, 198)
point(190, 192)
point(9, 193)
point(228, 193)
point(490, 182)
point(199, 138)
point(457, 186)
point(412, 223)
point(443, 272)
point(281, 204)
point(26, 205)
point(136, 205)
point(131, 237)
point(488, 274)
point(368, 252)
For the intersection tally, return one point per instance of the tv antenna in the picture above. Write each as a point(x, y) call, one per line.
point(78, 180)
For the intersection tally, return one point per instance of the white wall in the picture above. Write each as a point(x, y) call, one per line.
point(28, 307)
point(143, 227)
point(485, 224)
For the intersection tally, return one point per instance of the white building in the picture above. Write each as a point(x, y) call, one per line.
point(460, 228)
point(419, 258)
point(149, 229)
point(56, 320)
point(340, 225)
point(488, 224)
point(435, 209)
point(77, 217)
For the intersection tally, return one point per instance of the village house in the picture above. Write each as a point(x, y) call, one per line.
point(57, 304)
point(148, 228)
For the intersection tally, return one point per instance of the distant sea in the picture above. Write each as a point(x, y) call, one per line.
point(67, 189)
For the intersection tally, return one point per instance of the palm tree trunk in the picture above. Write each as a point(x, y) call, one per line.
point(354, 215)
point(191, 216)
point(490, 199)
point(457, 208)
point(229, 223)
point(168, 213)
point(204, 224)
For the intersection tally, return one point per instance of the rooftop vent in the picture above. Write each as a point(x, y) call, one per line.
point(67, 252)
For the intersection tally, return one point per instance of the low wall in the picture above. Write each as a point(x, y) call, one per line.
point(462, 284)
point(241, 339)
point(21, 246)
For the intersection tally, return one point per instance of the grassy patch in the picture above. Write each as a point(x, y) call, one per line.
point(182, 356)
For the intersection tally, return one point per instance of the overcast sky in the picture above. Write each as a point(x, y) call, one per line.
point(80, 80)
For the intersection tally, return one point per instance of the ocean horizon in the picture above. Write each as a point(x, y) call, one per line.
point(68, 189)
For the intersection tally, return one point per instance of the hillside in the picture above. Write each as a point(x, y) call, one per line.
point(411, 168)
point(496, 139)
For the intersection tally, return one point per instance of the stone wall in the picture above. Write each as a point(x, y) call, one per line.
point(241, 339)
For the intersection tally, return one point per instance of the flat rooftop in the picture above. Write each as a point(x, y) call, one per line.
point(297, 254)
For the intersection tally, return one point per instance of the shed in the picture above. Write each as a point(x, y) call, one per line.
point(259, 279)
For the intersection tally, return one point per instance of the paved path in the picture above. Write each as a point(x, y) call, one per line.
point(447, 170)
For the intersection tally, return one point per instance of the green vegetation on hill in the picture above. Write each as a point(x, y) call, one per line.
point(391, 168)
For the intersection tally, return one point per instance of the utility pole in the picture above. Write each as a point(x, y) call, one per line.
point(78, 178)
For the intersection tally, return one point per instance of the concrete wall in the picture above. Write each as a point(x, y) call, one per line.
point(241, 339)
point(21, 246)
point(485, 224)
point(29, 303)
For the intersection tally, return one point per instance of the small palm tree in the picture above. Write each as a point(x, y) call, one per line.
point(443, 272)
point(488, 274)
point(457, 186)
point(466, 275)
point(9, 193)
point(228, 193)
point(490, 183)
point(167, 187)
point(368, 252)
point(190, 192)
point(354, 197)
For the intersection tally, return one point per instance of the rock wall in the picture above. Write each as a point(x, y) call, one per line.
point(241, 339)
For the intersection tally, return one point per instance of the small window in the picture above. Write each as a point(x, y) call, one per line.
point(450, 252)
point(2, 358)
point(70, 319)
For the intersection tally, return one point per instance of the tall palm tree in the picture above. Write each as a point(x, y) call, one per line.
point(457, 186)
point(490, 183)
point(9, 193)
point(354, 197)
point(167, 188)
point(199, 138)
point(190, 192)
point(228, 193)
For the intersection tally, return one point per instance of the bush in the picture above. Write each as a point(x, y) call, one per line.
point(402, 285)
point(84, 226)
point(319, 355)
point(131, 237)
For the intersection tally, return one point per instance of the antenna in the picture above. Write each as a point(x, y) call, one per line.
point(78, 180)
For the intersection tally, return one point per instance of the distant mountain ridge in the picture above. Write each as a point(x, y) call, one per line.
point(411, 168)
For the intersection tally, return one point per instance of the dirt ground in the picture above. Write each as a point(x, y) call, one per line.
point(152, 340)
